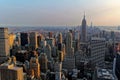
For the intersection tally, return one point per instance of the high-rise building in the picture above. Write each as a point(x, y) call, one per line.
point(39, 39)
point(103, 74)
point(84, 30)
point(97, 51)
point(60, 56)
point(24, 39)
point(47, 50)
point(50, 41)
point(11, 39)
point(43, 61)
point(60, 38)
point(69, 48)
point(116, 63)
point(60, 45)
point(63, 50)
point(116, 66)
point(113, 35)
point(43, 43)
point(35, 67)
point(69, 61)
point(33, 40)
point(57, 69)
point(76, 42)
point(17, 39)
point(59, 42)
point(4, 44)
point(50, 34)
point(54, 52)
point(11, 72)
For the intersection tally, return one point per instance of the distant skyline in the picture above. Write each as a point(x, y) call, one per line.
point(59, 12)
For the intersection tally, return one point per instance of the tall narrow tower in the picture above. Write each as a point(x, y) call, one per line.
point(33, 40)
point(84, 32)
point(4, 44)
point(69, 61)
point(69, 48)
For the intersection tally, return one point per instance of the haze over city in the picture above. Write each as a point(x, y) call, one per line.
point(59, 40)
point(59, 12)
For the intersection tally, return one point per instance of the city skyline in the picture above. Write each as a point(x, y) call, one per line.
point(59, 13)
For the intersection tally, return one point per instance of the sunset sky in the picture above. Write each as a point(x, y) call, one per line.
point(59, 12)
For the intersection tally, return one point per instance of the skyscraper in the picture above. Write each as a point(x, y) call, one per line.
point(69, 61)
point(43, 61)
point(84, 32)
point(35, 66)
point(47, 50)
point(24, 39)
point(11, 72)
point(60, 46)
point(4, 43)
point(58, 69)
point(60, 38)
point(33, 40)
point(50, 41)
point(97, 51)
point(39, 39)
point(69, 48)
point(11, 39)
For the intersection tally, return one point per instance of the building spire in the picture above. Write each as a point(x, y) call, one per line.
point(84, 14)
point(91, 24)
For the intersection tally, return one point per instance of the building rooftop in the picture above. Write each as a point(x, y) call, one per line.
point(105, 74)
point(22, 51)
point(9, 66)
point(97, 38)
point(6, 66)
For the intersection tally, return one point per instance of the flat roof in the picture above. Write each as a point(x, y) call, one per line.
point(97, 38)
point(105, 74)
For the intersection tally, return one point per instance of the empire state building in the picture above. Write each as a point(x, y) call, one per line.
point(84, 32)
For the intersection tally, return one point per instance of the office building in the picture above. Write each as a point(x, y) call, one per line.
point(43, 62)
point(47, 50)
point(50, 34)
point(69, 48)
point(24, 39)
point(60, 38)
point(57, 69)
point(60, 56)
point(4, 44)
point(97, 51)
point(11, 72)
point(18, 39)
point(35, 67)
point(50, 41)
point(103, 74)
point(116, 64)
point(69, 61)
point(84, 30)
point(33, 40)
point(43, 43)
point(39, 39)
point(11, 39)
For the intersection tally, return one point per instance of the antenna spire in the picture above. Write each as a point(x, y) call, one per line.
point(84, 14)
point(91, 24)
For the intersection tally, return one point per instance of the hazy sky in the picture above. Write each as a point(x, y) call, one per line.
point(59, 12)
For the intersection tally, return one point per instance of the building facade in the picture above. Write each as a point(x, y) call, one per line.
point(69, 61)
point(11, 72)
point(24, 39)
point(84, 30)
point(97, 51)
point(33, 40)
point(4, 44)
